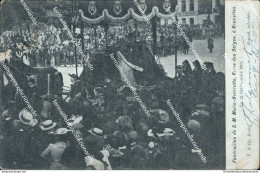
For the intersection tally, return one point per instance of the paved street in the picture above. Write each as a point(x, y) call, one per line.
point(201, 47)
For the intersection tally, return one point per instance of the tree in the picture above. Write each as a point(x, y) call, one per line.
point(14, 14)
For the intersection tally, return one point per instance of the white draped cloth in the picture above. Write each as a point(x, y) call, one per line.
point(127, 68)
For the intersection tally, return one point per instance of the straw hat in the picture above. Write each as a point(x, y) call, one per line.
point(194, 125)
point(204, 113)
point(6, 116)
point(47, 125)
point(202, 107)
point(60, 131)
point(75, 119)
point(166, 132)
point(27, 118)
point(97, 131)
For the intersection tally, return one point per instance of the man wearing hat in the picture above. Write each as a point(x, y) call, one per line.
point(180, 75)
point(95, 143)
point(24, 136)
point(43, 136)
point(27, 118)
point(7, 143)
point(197, 131)
point(6, 123)
point(48, 125)
point(56, 148)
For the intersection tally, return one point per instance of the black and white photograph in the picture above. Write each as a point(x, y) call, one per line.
point(112, 85)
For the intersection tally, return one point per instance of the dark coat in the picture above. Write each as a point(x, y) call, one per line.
point(210, 43)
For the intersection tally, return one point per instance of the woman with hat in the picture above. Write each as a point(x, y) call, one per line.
point(57, 148)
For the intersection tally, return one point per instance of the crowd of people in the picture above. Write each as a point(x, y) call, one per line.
point(37, 46)
point(113, 126)
point(40, 45)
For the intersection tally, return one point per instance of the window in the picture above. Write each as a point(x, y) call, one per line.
point(183, 5)
point(191, 5)
point(183, 21)
point(191, 21)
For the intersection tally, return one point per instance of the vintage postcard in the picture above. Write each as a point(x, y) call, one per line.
point(129, 85)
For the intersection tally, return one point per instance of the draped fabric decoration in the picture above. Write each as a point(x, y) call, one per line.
point(139, 66)
point(92, 21)
point(118, 13)
point(117, 19)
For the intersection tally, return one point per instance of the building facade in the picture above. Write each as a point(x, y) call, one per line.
point(194, 12)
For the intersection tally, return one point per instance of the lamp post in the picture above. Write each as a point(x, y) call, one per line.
point(154, 33)
point(75, 10)
point(176, 44)
point(1, 93)
point(82, 46)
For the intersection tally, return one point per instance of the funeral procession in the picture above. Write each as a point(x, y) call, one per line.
point(112, 85)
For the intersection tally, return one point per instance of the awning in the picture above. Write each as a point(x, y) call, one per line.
point(93, 12)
